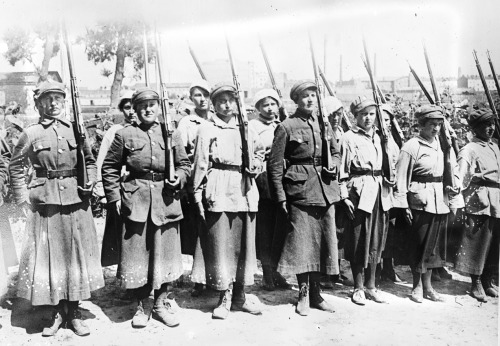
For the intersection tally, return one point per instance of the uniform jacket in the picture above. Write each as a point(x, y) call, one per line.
point(226, 190)
point(4, 162)
point(188, 129)
point(480, 161)
point(142, 150)
point(419, 157)
point(298, 138)
point(48, 145)
point(265, 131)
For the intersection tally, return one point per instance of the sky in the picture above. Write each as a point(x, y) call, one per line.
point(394, 31)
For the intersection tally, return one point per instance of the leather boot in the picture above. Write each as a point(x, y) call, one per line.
point(303, 306)
point(316, 301)
point(143, 313)
point(240, 303)
point(477, 290)
point(280, 281)
point(166, 309)
point(487, 281)
point(75, 320)
point(267, 278)
point(223, 306)
point(58, 320)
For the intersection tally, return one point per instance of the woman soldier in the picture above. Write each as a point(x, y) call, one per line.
point(269, 234)
point(306, 191)
point(479, 167)
point(150, 208)
point(230, 198)
point(367, 200)
point(60, 260)
point(420, 192)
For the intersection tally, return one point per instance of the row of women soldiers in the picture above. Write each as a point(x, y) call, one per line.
point(282, 206)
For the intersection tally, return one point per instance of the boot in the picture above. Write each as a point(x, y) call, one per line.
point(223, 306)
point(316, 301)
point(240, 303)
point(57, 321)
point(280, 281)
point(197, 290)
point(490, 289)
point(75, 320)
point(303, 305)
point(166, 309)
point(267, 278)
point(477, 290)
point(143, 313)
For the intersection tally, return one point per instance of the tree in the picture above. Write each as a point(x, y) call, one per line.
point(21, 45)
point(117, 40)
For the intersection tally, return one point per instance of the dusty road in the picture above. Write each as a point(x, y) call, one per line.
point(461, 320)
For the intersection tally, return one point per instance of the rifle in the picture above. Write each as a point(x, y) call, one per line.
point(396, 132)
point(197, 63)
point(495, 78)
point(283, 113)
point(145, 44)
point(346, 123)
point(327, 161)
point(78, 127)
point(247, 159)
point(387, 168)
point(166, 126)
point(488, 96)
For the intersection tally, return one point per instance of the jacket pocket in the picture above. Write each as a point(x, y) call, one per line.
point(134, 144)
point(72, 144)
point(417, 195)
point(37, 191)
point(300, 137)
point(128, 189)
point(478, 199)
point(40, 145)
point(294, 184)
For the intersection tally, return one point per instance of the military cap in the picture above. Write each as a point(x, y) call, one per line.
point(262, 94)
point(200, 84)
point(49, 86)
point(361, 103)
point(299, 87)
point(429, 112)
point(332, 104)
point(144, 94)
point(479, 116)
point(221, 88)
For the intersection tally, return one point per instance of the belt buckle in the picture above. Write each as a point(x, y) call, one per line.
point(155, 176)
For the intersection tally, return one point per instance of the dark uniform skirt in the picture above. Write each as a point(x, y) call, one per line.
point(479, 245)
point(395, 242)
point(111, 241)
point(426, 243)
point(229, 249)
point(311, 242)
point(366, 235)
point(60, 259)
point(269, 243)
point(150, 254)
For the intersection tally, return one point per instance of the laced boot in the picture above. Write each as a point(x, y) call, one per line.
point(223, 306)
point(267, 278)
point(143, 313)
point(240, 303)
point(477, 290)
point(316, 301)
point(166, 310)
point(57, 321)
point(75, 321)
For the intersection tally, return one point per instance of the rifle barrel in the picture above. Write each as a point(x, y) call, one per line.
point(417, 78)
point(437, 99)
point(197, 63)
point(495, 77)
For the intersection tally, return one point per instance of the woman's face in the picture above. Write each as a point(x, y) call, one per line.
point(225, 105)
point(365, 118)
point(147, 111)
point(307, 100)
point(431, 128)
point(51, 104)
point(485, 130)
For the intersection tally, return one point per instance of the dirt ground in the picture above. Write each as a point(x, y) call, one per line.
point(460, 320)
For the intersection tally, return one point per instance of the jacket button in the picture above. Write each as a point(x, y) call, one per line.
point(59, 138)
point(40, 146)
point(299, 140)
point(60, 151)
point(153, 143)
point(61, 188)
point(152, 185)
point(153, 157)
point(60, 178)
point(132, 149)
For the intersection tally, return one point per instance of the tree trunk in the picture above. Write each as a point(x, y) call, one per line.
point(47, 55)
point(119, 72)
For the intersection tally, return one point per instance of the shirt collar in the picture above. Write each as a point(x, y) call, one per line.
point(304, 116)
point(355, 128)
point(426, 143)
point(46, 121)
point(481, 142)
point(233, 122)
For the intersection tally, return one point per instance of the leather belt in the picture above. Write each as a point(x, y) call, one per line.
point(53, 174)
point(153, 176)
point(375, 172)
point(226, 167)
point(314, 161)
point(486, 183)
point(427, 179)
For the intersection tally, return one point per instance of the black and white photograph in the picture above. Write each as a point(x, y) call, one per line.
point(269, 172)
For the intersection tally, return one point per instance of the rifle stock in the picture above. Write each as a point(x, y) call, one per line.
point(78, 126)
point(166, 125)
point(387, 168)
point(326, 154)
point(247, 159)
point(283, 113)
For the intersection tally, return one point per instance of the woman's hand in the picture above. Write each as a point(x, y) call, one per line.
point(173, 185)
point(350, 208)
point(201, 211)
point(118, 207)
point(87, 190)
point(282, 207)
point(408, 216)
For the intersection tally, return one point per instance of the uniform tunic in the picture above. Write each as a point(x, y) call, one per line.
point(231, 202)
point(365, 236)
point(150, 245)
point(60, 259)
point(190, 226)
point(426, 244)
point(479, 167)
point(311, 240)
